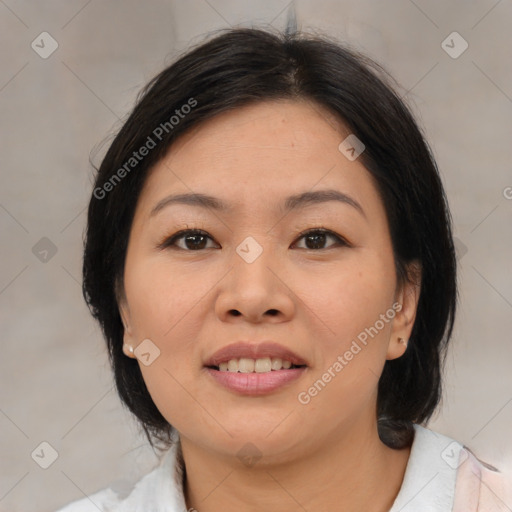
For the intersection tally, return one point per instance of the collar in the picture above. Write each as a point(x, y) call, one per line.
point(430, 474)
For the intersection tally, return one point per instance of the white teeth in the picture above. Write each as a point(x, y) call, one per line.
point(262, 365)
point(277, 363)
point(246, 365)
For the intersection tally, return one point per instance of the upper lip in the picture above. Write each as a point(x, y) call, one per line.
point(253, 350)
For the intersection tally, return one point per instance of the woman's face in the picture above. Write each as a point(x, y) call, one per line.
point(330, 298)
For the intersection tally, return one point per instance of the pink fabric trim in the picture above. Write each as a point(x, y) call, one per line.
point(467, 484)
point(479, 489)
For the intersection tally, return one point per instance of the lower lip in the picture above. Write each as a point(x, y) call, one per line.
point(256, 383)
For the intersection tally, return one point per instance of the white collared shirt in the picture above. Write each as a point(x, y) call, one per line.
point(441, 476)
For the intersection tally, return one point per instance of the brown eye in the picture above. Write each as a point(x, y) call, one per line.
point(317, 238)
point(187, 240)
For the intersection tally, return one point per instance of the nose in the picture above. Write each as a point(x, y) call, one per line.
point(256, 292)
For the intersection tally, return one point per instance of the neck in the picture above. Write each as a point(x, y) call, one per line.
point(353, 471)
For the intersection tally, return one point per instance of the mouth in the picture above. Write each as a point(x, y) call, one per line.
point(255, 369)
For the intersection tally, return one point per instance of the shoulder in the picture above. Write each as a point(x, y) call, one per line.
point(103, 500)
point(160, 490)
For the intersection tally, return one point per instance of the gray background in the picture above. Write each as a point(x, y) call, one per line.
point(56, 382)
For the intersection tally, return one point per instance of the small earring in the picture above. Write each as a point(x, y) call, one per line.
point(127, 348)
point(402, 340)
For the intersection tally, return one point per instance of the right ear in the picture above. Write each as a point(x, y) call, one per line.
point(128, 339)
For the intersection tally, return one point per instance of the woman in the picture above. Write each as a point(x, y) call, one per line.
point(269, 255)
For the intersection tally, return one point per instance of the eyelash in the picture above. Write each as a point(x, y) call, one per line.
point(169, 242)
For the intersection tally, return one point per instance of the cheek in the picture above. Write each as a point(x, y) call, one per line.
point(175, 397)
point(353, 345)
point(352, 297)
point(160, 297)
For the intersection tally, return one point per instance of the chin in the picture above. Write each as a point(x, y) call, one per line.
point(258, 441)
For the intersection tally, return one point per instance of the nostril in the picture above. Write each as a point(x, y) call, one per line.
point(273, 312)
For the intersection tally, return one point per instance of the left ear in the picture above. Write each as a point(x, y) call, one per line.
point(406, 305)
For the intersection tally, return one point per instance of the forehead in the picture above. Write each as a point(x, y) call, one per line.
point(261, 153)
point(266, 127)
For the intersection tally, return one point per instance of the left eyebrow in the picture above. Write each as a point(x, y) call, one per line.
point(293, 202)
point(320, 196)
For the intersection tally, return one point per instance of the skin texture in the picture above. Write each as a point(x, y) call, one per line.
point(315, 301)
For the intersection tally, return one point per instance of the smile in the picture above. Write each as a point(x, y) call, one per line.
point(254, 368)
